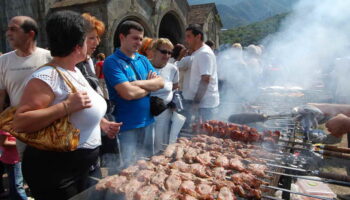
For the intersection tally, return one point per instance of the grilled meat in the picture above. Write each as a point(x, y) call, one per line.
point(148, 192)
point(226, 194)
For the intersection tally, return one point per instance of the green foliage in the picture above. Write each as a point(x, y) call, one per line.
point(252, 33)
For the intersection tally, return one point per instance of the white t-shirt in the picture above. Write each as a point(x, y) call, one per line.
point(86, 120)
point(15, 71)
point(184, 66)
point(203, 63)
point(170, 74)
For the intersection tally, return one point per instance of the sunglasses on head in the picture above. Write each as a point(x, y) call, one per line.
point(164, 51)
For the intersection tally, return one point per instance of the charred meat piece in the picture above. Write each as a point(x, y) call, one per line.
point(222, 161)
point(159, 179)
point(246, 178)
point(215, 140)
point(190, 154)
point(116, 183)
point(258, 169)
point(188, 187)
point(101, 185)
point(130, 188)
point(188, 197)
point(183, 140)
point(130, 171)
point(168, 195)
point(236, 164)
point(204, 158)
point(226, 194)
point(204, 191)
point(179, 152)
point(143, 164)
point(219, 173)
point(180, 165)
point(170, 150)
point(145, 175)
point(160, 160)
point(199, 170)
point(148, 192)
point(173, 183)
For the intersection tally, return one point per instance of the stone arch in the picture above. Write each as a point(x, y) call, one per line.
point(132, 17)
point(172, 27)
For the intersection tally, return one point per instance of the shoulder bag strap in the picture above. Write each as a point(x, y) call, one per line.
point(66, 80)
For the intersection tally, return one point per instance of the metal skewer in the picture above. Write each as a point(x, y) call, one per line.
point(342, 183)
point(297, 193)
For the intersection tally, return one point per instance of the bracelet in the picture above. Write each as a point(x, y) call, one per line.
point(65, 107)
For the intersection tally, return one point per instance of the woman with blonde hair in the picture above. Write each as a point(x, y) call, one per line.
point(162, 49)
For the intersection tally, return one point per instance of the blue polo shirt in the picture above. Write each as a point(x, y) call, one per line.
point(117, 69)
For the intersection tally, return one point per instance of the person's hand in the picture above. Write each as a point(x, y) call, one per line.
point(77, 101)
point(152, 75)
point(110, 128)
point(338, 125)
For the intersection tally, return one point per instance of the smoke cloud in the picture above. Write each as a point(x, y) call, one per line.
point(310, 51)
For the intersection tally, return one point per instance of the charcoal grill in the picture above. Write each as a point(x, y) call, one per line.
point(290, 135)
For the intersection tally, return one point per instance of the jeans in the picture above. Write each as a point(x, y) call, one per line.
point(17, 191)
point(136, 143)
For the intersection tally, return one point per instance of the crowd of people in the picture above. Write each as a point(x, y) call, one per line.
point(115, 97)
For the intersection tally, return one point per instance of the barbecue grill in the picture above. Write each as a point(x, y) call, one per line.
point(294, 156)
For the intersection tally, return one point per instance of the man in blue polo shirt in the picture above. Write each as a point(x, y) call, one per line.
point(130, 77)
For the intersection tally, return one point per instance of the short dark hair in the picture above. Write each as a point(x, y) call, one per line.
point(30, 25)
point(176, 51)
point(196, 29)
point(65, 30)
point(126, 26)
point(210, 43)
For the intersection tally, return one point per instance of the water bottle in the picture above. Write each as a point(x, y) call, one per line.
point(178, 101)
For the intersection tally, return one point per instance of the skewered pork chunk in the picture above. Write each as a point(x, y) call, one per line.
point(145, 175)
point(160, 160)
point(130, 171)
point(170, 150)
point(219, 173)
point(204, 158)
point(236, 164)
point(190, 154)
point(258, 169)
point(199, 170)
point(247, 178)
point(179, 152)
point(159, 180)
point(226, 194)
point(204, 191)
point(173, 183)
point(222, 161)
point(180, 165)
point(143, 164)
point(188, 197)
point(188, 187)
point(130, 188)
point(148, 192)
point(168, 195)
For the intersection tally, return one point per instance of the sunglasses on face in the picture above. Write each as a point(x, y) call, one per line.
point(164, 51)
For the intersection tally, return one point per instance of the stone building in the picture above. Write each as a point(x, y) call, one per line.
point(166, 18)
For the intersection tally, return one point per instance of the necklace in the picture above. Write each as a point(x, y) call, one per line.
point(79, 81)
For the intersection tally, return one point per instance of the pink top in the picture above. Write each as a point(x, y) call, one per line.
point(9, 154)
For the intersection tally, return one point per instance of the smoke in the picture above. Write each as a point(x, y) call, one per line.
point(310, 39)
point(310, 50)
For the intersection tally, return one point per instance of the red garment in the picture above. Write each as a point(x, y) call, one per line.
point(99, 64)
point(9, 154)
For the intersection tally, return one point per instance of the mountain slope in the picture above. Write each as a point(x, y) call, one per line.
point(236, 13)
point(253, 33)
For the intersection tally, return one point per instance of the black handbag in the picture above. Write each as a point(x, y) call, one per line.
point(157, 104)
